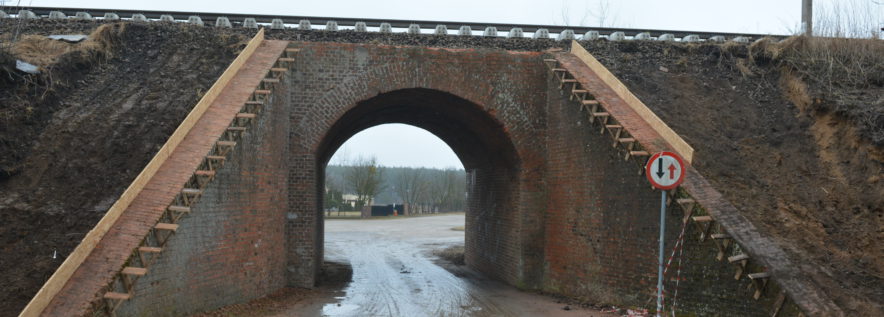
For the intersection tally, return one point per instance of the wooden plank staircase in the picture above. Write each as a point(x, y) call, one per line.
point(121, 288)
point(706, 225)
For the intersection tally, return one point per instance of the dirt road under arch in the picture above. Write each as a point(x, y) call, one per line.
point(395, 273)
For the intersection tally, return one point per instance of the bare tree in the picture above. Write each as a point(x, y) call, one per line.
point(365, 178)
point(566, 14)
point(448, 191)
point(603, 13)
point(411, 186)
point(334, 191)
point(848, 18)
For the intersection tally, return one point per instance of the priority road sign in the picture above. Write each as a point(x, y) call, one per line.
point(665, 170)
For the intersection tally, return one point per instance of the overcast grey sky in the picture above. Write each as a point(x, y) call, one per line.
point(399, 145)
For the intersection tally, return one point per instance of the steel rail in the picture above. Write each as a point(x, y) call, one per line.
point(209, 18)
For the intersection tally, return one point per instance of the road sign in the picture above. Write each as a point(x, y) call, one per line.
point(665, 170)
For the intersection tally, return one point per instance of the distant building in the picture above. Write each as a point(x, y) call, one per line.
point(350, 199)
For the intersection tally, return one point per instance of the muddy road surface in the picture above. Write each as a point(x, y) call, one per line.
point(396, 272)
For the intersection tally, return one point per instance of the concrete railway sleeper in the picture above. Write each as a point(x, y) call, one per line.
point(411, 27)
point(121, 288)
point(705, 224)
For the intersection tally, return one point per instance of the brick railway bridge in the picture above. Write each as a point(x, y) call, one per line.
point(230, 208)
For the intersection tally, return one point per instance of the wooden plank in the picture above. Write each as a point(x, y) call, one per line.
point(61, 276)
point(138, 271)
point(761, 275)
point(150, 249)
point(678, 144)
point(192, 191)
point(179, 208)
point(205, 173)
point(738, 257)
point(115, 296)
point(166, 226)
point(778, 304)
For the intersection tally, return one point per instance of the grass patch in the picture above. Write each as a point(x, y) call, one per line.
point(43, 51)
point(844, 76)
point(453, 254)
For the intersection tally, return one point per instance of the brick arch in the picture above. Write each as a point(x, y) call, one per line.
point(475, 136)
point(487, 105)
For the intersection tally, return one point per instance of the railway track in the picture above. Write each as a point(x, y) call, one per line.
point(416, 27)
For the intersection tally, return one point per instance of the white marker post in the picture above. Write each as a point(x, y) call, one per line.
point(665, 171)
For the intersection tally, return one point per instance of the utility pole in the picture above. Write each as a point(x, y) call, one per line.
point(807, 17)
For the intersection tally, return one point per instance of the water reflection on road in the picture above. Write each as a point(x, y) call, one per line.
point(394, 274)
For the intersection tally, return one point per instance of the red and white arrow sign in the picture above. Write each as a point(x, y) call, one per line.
point(665, 170)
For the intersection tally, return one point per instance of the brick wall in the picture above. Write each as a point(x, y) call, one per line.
point(602, 228)
point(488, 105)
point(552, 205)
point(231, 248)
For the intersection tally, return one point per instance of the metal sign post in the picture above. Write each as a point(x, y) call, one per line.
point(665, 170)
point(660, 259)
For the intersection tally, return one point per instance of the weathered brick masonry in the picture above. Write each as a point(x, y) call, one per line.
point(603, 225)
point(488, 105)
point(552, 206)
point(212, 254)
point(232, 246)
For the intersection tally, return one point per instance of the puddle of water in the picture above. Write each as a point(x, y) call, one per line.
point(394, 275)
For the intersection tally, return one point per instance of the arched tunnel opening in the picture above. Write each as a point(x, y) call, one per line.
point(479, 141)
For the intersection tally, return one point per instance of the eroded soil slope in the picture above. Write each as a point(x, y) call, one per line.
point(74, 137)
point(802, 160)
point(801, 172)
